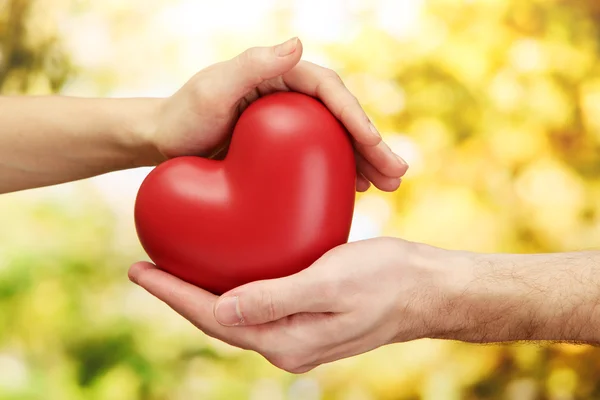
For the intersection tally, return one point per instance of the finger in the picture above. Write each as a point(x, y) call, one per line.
point(258, 64)
point(326, 85)
point(270, 300)
point(380, 181)
point(362, 183)
point(192, 303)
point(378, 157)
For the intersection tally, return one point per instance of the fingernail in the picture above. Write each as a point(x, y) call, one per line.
point(286, 48)
point(228, 312)
point(402, 160)
point(374, 130)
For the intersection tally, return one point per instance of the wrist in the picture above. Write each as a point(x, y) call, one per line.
point(446, 304)
point(431, 280)
point(482, 304)
point(472, 297)
point(137, 128)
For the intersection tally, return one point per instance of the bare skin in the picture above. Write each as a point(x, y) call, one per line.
point(358, 296)
point(364, 295)
point(50, 140)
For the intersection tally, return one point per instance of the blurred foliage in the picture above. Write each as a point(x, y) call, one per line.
point(502, 98)
point(30, 54)
point(496, 103)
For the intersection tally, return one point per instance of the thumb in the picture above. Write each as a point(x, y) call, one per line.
point(270, 300)
point(258, 64)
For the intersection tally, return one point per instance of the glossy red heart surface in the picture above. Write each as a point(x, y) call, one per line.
point(283, 196)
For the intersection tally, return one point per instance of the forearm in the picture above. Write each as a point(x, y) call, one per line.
point(506, 297)
point(50, 140)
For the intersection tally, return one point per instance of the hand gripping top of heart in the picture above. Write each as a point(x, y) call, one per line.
point(282, 197)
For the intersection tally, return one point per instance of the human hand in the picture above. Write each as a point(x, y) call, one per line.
point(199, 118)
point(356, 298)
point(363, 295)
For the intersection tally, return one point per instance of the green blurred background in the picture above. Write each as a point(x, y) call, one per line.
point(494, 103)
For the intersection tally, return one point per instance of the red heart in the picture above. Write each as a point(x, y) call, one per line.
point(282, 197)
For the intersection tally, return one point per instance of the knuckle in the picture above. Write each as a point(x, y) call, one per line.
point(206, 96)
point(202, 92)
point(345, 110)
point(247, 57)
point(268, 307)
point(297, 371)
point(249, 62)
point(328, 79)
point(302, 370)
point(288, 363)
point(331, 75)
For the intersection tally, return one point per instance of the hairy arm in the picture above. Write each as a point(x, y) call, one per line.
point(509, 297)
point(371, 293)
point(52, 139)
